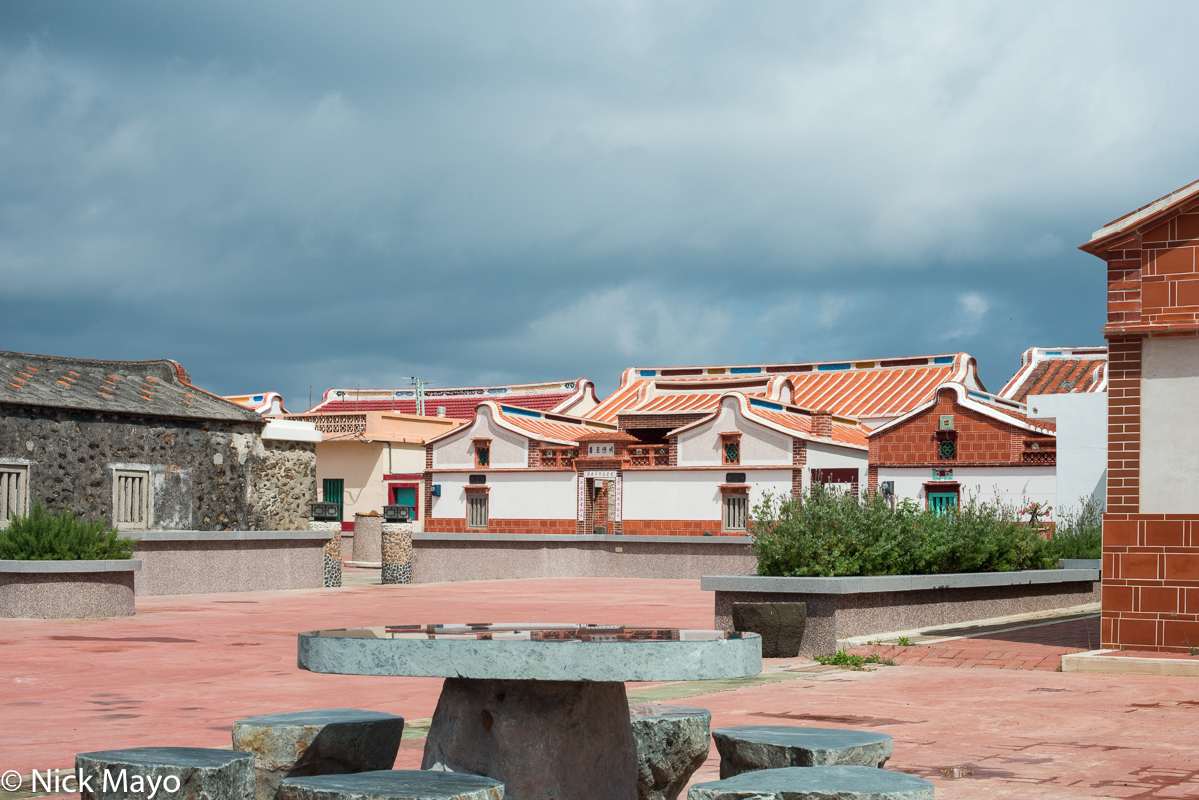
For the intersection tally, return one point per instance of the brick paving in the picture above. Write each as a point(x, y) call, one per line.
point(1040, 647)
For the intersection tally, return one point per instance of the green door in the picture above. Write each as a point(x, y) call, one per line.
point(334, 492)
point(942, 501)
point(405, 496)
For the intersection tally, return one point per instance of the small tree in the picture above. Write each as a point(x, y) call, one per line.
point(43, 536)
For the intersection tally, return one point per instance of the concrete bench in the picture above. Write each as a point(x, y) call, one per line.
point(672, 743)
point(745, 748)
point(398, 784)
point(816, 783)
point(323, 741)
point(166, 772)
point(781, 626)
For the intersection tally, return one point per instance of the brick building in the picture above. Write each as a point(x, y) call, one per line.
point(964, 442)
point(1151, 528)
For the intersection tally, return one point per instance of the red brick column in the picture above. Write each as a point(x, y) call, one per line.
point(1124, 425)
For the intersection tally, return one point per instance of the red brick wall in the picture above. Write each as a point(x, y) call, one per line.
point(1169, 273)
point(1124, 425)
point(1150, 561)
point(1150, 581)
point(672, 527)
point(980, 439)
point(627, 422)
point(458, 525)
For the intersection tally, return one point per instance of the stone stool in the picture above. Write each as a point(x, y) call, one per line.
point(397, 784)
point(672, 743)
point(182, 772)
point(320, 742)
point(746, 748)
point(816, 783)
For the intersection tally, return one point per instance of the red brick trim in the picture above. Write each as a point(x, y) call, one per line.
point(1124, 425)
point(458, 525)
point(672, 527)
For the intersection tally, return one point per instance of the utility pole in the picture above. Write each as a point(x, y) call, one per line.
point(420, 395)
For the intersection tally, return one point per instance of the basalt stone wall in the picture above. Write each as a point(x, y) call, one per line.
point(284, 485)
point(204, 475)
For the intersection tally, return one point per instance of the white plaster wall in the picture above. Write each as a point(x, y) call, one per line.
point(760, 446)
point(517, 495)
point(1081, 421)
point(825, 456)
point(1169, 432)
point(692, 494)
point(508, 450)
point(513, 495)
point(1015, 485)
point(452, 502)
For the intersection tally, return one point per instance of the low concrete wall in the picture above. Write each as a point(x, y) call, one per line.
point(203, 562)
point(67, 589)
point(839, 608)
point(441, 557)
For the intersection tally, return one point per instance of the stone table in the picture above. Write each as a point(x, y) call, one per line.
point(539, 707)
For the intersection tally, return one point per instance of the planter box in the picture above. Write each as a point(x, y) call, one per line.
point(440, 557)
point(205, 562)
point(67, 589)
point(841, 608)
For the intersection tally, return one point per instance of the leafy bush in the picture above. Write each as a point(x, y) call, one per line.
point(826, 533)
point(1079, 533)
point(42, 536)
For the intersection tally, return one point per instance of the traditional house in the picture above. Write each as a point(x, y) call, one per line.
point(368, 459)
point(1067, 386)
point(1151, 528)
point(681, 450)
point(136, 444)
point(561, 397)
point(964, 442)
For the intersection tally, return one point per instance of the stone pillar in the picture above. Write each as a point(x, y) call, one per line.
point(397, 552)
point(368, 539)
point(332, 557)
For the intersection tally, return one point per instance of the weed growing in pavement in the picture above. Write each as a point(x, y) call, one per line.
point(903, 641)
point(1195, 651)
point(845, 660)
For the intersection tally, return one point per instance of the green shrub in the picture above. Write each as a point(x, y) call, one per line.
point(42, 536)
point(827, 534)
point(1079, 534)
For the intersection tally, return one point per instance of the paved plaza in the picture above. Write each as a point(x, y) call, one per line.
point(982, 716)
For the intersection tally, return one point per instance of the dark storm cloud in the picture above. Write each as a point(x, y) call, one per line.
point(294, 194)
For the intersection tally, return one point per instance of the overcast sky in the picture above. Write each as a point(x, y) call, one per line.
point(291, 194)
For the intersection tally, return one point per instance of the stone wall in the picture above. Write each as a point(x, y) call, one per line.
point(204, 475)
point(284, 485)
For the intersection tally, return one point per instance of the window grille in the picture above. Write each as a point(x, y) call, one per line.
point(13, 484)
point(476, 511)
point(736, 512)
point(948, 449)
point(732, 453)
point(484, 455)
point(131, 499)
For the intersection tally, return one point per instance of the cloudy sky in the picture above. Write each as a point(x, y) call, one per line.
point(291, 194)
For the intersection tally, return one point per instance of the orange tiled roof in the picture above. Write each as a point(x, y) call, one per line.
point(861, 388)
point(547, 426)
point(792, 418)
point(1058, 370)
point(459, 402)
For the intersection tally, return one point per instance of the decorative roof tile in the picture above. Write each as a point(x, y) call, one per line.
point(141, 388)
point(459, 402)
point(1058, 370)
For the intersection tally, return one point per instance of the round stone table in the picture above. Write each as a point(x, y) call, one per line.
point(540, 707)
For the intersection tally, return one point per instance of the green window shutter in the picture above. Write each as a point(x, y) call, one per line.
point(941, 502)
point(334, 492)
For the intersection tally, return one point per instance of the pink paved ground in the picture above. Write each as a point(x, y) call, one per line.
point(1039, 647)
point(183, 669)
